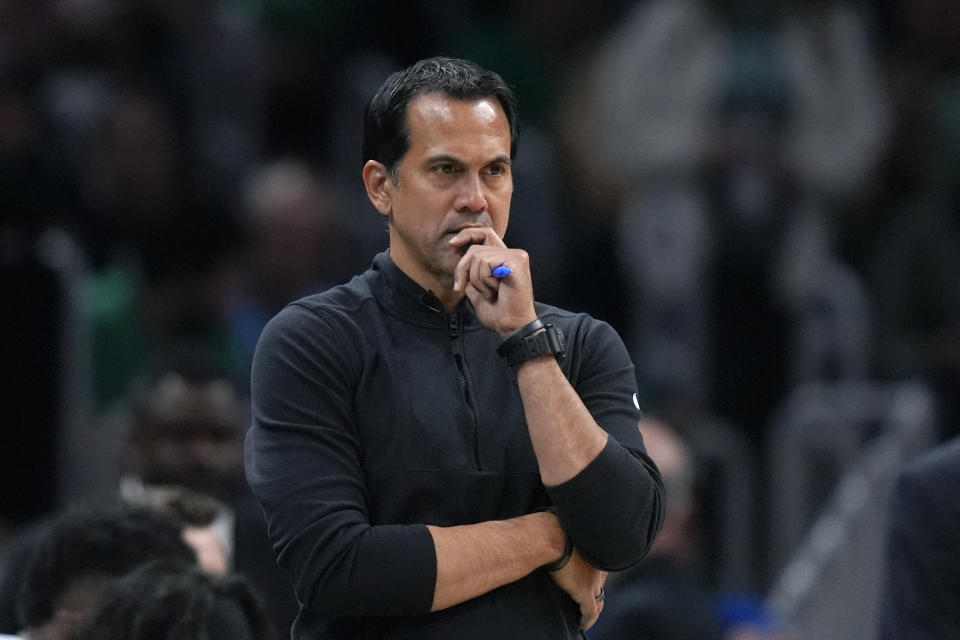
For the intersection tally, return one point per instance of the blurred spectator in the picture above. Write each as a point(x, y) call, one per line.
point(176, 292)
point(923, 567)
point(205, 57)
point(715, 134)
point(163, 601)
point(186, 430)
point(160, 254)
point(906, 237)
point(295, 246)
point(663, 597)
point(161, 248)
point(717, 141)
point(75, 555)
point(135, 199)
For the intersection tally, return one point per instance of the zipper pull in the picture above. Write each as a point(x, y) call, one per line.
point(453, 326)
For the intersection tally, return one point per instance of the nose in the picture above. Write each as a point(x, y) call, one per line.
point(472, 196)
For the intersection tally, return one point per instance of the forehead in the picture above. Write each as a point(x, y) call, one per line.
point(435, 118)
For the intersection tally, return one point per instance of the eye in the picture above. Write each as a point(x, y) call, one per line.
point(496, 170)
point(447, 168)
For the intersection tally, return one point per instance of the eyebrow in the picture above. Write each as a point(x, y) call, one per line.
point(448, 158)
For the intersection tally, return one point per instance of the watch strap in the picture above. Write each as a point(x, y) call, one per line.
point(534, 340)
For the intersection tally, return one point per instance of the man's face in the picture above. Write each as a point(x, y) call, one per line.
point(189, 437)
point(456, 174)
point(198, 454)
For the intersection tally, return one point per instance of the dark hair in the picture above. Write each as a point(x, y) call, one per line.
point(89, 542)
point(385, 135)
point(164, 601)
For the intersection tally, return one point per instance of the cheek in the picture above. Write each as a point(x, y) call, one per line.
point(424, 216)
point(500, 212)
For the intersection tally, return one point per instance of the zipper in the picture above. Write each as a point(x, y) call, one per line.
point(456, 341)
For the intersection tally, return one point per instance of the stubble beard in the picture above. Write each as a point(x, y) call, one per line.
point(443, 265)
point(437, 257)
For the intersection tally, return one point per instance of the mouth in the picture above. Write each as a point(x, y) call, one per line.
point(455, 230)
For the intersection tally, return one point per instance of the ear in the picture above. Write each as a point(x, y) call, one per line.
point(377, 180)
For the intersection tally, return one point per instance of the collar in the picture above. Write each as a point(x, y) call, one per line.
point(400, 294)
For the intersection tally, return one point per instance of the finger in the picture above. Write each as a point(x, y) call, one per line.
point(594, 621)
point(468, 272)
point(598, 602)
point(589, 614)
point(461, 273)
point(476, 296)
point(477, 235)
point(481, 276)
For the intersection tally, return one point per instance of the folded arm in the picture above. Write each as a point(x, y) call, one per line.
point(608, 493)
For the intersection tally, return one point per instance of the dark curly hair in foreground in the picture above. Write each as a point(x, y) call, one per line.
point(170, 601)
point(86, 543)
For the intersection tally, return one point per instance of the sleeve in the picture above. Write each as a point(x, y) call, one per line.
point(303, 463)
point(613, 509)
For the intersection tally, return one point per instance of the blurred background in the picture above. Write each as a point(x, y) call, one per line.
point(763, 198)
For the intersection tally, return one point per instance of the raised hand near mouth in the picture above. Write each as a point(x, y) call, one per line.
point(503, 304)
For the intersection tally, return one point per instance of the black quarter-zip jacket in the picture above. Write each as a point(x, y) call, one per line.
point(377, 412)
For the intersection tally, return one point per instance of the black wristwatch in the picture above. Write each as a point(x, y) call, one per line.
point(530, 342)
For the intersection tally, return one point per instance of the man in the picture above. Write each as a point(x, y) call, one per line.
point(185, 442)
point(403, 463)
point(922, 590)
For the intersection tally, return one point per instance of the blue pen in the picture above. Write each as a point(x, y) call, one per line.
point(502, 272)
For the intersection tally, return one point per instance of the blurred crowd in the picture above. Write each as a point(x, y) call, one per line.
point(755, 195)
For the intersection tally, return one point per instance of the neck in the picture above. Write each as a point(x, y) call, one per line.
point(449, 298)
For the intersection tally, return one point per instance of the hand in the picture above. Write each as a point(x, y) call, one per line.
point(582, 582)
point(503, 305)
